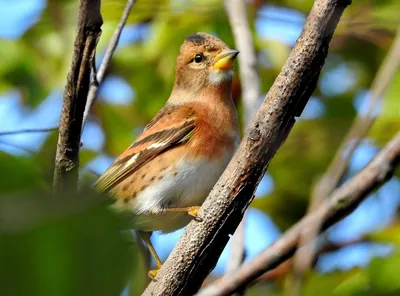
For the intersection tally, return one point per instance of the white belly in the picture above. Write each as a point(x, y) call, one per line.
point(189, 187)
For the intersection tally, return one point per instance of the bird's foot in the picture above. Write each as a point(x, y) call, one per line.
point(191, 211)
point(153, 273)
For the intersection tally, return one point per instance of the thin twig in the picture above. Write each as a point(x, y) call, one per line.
point(16, 146)
point(338, 167)
point(29, 131)
point(283, 269)
point(75, 95)
point(341, 203)
point(146, 257)
point(249, 78)
point(112, 46)
point(202, 242)
point(250, 82)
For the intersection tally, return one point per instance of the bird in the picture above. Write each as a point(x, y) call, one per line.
point(163, 178)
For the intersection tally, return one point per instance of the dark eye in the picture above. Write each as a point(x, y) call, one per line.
point(198, 58)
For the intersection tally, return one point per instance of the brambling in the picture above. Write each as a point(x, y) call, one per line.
point(167, 173)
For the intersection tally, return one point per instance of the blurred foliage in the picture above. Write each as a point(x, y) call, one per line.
point(58, 246)
point(72, 246)
point(379, 278)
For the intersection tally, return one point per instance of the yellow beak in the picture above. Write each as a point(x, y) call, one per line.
point(224, 60)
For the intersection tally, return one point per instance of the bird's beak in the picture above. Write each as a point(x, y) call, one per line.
point(224, 60)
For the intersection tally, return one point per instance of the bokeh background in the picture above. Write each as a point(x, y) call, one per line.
point(70, 246)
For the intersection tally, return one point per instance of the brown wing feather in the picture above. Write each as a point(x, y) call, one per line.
point(172, 126)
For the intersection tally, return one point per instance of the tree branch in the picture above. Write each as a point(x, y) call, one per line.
point(29, 131)
point(75, 94)
point(16, 146)
point(342, 202)
point(250, 82)
point(283, 269)
point(340, 163)
point(112, 46)
point(202, 242)
point(249, 78)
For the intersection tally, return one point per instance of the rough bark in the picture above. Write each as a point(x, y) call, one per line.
point(75, 94)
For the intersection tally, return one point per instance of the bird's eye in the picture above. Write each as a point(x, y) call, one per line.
point(198, 58)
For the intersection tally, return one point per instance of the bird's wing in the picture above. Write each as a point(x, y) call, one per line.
point(173, 125)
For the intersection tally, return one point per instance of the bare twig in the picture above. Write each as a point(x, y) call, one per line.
point(340, 163)
point(112, 46)
point(342, 202)
point(283, 269)
point(146, 257)
point(75, 94)
point(249, 78)
point(15, 146)
point(202, 242)
point(250, 82)
point(29, 131)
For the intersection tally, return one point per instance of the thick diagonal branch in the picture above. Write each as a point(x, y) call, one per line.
point(202, 242)
point(342, 202)
point(75, 94)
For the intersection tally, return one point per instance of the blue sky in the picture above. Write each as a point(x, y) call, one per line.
point(273, 23)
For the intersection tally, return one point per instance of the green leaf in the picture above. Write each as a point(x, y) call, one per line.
point(357, 282)
point(384, 275)
point(118, 126)
point(19, 174)
point(61, 246)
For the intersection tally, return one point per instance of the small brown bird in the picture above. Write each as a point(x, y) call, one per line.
point(166, 174)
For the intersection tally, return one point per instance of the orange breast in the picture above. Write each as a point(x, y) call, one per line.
point(216, 131)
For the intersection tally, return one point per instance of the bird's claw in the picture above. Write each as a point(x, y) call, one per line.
point(153, 273)
point(193, 211)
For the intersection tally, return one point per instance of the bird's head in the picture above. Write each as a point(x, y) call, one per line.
point(204, 61)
